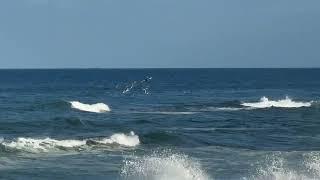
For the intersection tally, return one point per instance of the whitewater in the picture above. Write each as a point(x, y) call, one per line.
point(47, 144)
point(96, 108)
point(282, 103)
point(181, 124)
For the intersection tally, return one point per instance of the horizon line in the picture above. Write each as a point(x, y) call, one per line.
point(137, 68)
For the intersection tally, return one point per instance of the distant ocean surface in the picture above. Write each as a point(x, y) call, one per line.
point(160, 124)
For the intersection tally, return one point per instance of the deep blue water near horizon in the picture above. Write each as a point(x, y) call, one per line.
point(191, 124)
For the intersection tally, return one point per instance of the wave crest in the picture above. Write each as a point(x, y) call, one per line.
point(163, 166)
point(120, 138)
point(48, 144)
point(282, 103)
point(96, 108)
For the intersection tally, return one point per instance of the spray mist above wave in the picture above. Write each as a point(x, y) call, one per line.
point(96, 108)
point(137, 86)
point(282, 103)
point(278, 169)
point(49, 144)
point(163, 166)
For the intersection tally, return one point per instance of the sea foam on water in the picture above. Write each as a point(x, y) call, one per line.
point(123, 139)
point(282, 103)
point(278, 169)
point(48, 144)
point(96, 108)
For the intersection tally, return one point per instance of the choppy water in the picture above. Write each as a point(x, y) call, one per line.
point(160, 124)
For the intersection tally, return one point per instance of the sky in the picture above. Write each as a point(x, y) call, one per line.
point(159, 33)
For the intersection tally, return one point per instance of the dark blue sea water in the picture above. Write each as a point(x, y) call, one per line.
point(163, 124)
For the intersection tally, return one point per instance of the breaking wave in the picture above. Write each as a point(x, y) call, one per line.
point(282, 103)
point(122, 139)
point(163, 166)
point(277, 169)
point(49, 144)
point(96, 108)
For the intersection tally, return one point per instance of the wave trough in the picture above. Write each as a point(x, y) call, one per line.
point(96, 108)
point(48, 144)
point(282, 103)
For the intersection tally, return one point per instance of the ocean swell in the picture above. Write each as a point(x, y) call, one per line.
point(96, 108)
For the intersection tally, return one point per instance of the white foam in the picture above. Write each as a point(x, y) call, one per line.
point(96, 108)
point(312, 162)
point(228, 109)
point(49, 144)
point(232, 108)
point(130, 140)
point(163, 167)
point(283, 103)
point(278, 170)
point(41, 145)
point(215, 109)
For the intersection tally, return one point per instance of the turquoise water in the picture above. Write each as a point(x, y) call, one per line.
point(160, 124)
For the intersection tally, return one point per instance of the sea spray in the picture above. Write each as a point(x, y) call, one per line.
point(163, 165)
point(276, 167)
point(137, 86)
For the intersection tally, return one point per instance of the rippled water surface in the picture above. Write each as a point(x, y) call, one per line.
point(160, 124)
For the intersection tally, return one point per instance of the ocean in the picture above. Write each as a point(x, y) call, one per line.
point(160, 124)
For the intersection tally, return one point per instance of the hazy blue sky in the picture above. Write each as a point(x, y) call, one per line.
point(159, 33)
